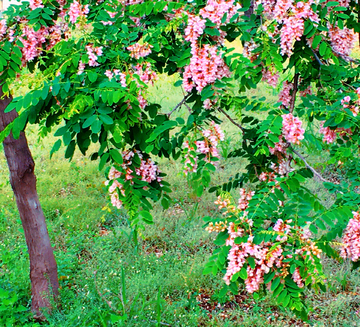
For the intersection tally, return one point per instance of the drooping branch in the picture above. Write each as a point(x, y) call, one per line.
point(307, 165)
point(293, 96)
point(232, 120)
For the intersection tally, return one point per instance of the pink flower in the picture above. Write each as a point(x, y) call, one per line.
point(292, 130)
point(76, 10)
point(297, 278)
point(284, 95)
point(351, 239)
point(138, 50)
point(36, 4)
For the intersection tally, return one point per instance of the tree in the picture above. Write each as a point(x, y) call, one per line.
point(94, 88)
point(43, 269)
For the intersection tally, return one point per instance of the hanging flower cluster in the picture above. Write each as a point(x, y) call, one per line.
point(36, 4)
point(330, 135)
point(270, 76)
point(284, 95)
point(351, 239)
point(77, 10)
point(138, 50)
point(93, 53)
point(148, 171)
point(206, 62)
point(292, 130)
point(207, 145)
point(342, 39)
point(190, 163)
point(269, 256)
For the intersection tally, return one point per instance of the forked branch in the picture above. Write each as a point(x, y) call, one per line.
point(308, 166)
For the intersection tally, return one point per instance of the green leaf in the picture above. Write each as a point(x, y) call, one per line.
point(275, 283)
point(96, 126)
point(316, 41)
point(55, 148)
point(103, 160)
point(147, 217)
point(166, 125)
point(322, 49)
point(88, 122)
point(117, 157)
point(106, 119)
point(251, 262)
point(243, 273)
point(70, 150)
point(92, 76)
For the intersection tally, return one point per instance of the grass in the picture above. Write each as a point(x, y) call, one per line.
point(106, 282)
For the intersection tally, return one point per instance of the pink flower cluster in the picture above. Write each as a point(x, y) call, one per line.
point(93, 54)
point(291, 15)
point(115, 73)
point(270, 76)
point(138, 50)
point(194, 29)
point(283, 229)
point(206, 63)
point(248, 50)
point(292, 130)
point(353, 108)
point(32, 42)
point(280, 147)
point(3, 28)
point(115, 187)
point(216, 9)
point(147, 75)
point(351, 239)
point(206, 66)
point(284, 95)
point(265, 259)
point(342, 40)
point(207, 146)
point(244, 199)
point(330, 135)
point(36, 4)
point(190, 164)
point(147, 171)
point(76, 10)
point(297, 278)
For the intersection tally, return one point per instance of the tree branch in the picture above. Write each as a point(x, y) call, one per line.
point(182, 102)
point(316, 56)
point(307, 165)
point(293, 96)
point(232, 120)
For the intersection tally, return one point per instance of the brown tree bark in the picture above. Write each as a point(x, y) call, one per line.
point(43, 268)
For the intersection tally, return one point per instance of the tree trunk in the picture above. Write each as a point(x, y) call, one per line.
point(43, 268)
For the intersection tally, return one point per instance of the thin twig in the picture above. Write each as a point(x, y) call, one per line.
point(179, 104)
point(316, 56)
point(232, 120)
point(293, 96)
point(345, 57)
point(308, 166)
